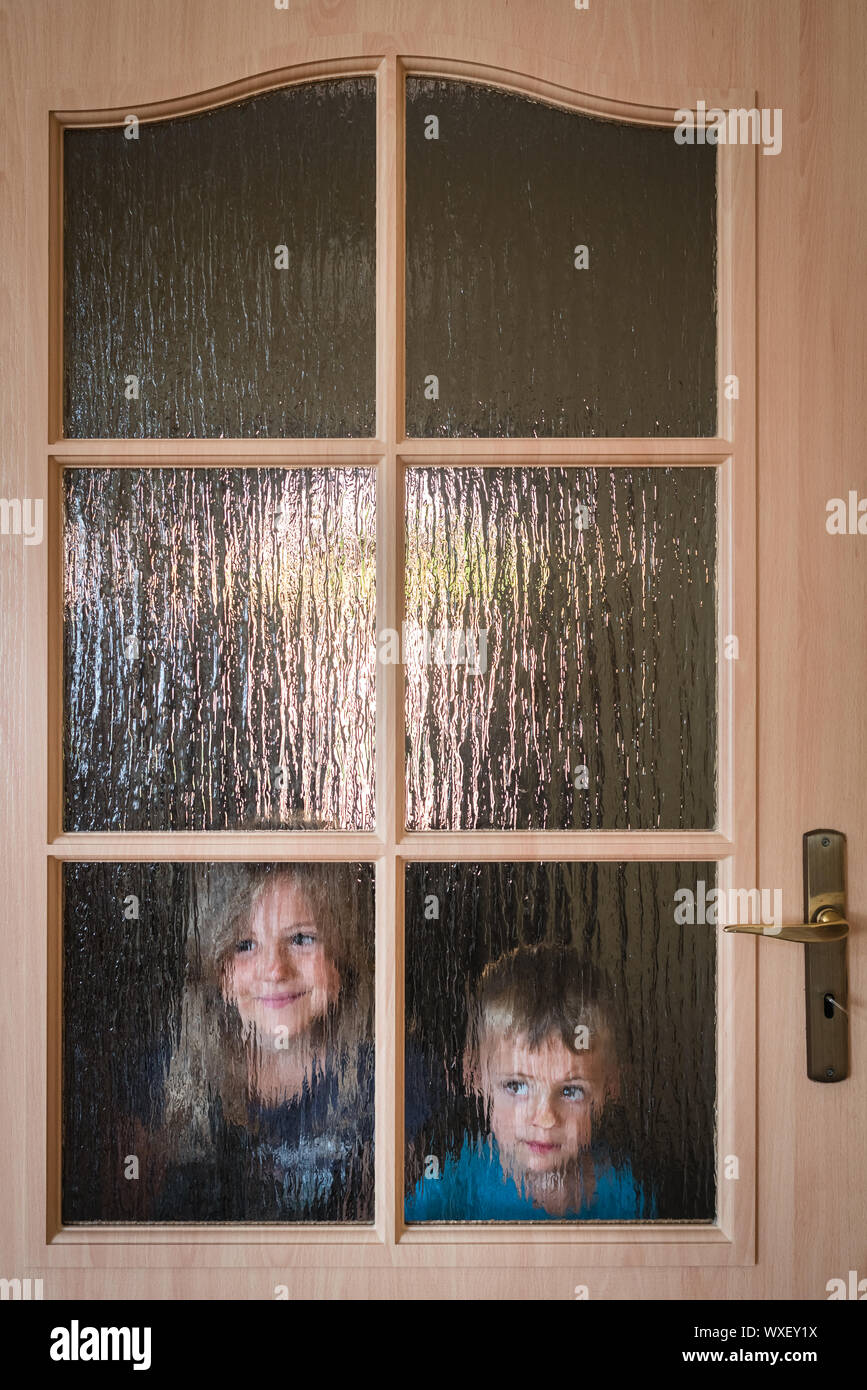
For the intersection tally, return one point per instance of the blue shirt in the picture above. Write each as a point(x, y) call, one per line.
point(473, 1187)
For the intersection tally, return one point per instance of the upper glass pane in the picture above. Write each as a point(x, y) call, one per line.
point(561, 667)
point(219, 270)
point(219, 648)
point(560, 271)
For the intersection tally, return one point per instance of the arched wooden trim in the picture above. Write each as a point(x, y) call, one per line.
point(198, 103)
point(527, 84)
point(521, 82)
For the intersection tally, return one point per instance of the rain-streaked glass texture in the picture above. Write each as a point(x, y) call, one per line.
point(560, 271)
point(219, 270)
point(219, 648)
point(218, 1043)
point(560, 1043)
point(561, 662)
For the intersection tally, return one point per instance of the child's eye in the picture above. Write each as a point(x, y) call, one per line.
point(574, 1093)
point(303, 938)
point(515, 1088)
point(245, 945)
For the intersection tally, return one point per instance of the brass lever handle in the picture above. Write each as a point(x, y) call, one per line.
point(829, 925)
point(824, 937)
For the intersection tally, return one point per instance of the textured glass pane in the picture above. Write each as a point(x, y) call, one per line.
point(218, 1042)
point(560, 1042)
point(219, 270)
point(219, 648)
point(560, 271)
point(561, 667)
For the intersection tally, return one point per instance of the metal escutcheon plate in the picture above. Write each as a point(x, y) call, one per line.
point(825, 973)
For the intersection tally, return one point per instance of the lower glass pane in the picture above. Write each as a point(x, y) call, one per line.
point(218, 1043)
point(560, 1043)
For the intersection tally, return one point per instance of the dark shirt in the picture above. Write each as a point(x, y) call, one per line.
point(307, 1159)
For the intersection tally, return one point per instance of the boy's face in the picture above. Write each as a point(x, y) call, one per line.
point(543, 1099)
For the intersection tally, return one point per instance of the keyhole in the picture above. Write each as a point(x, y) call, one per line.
point(829, 1005)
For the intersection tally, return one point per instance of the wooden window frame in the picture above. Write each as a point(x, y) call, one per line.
point(388, 1243)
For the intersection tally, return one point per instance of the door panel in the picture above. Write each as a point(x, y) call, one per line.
point(802, 394)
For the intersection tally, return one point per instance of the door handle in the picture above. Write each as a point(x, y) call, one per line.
point(824, 933)
point(828, 926)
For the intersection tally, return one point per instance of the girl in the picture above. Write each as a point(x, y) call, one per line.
point(269, 1094)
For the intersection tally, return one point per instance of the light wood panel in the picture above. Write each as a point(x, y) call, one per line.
point(809, 653)
point(390, 318)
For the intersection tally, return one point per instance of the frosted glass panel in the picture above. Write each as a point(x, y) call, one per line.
point(562, 667)
point(560, 271)
point(219, 270)
point(218, 1046)
point(560, 1043)
point(219, 648)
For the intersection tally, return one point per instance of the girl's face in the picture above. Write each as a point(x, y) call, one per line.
point(279, 974)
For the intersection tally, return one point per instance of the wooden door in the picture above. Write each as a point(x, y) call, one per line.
point(790, 741)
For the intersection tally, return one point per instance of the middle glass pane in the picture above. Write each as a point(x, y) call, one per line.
point(561, 653)
point(219, 648)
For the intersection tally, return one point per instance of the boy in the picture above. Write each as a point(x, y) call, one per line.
point(542, 1055)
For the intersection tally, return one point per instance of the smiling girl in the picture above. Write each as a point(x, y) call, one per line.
point(269, 1094)
point(282, 975)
